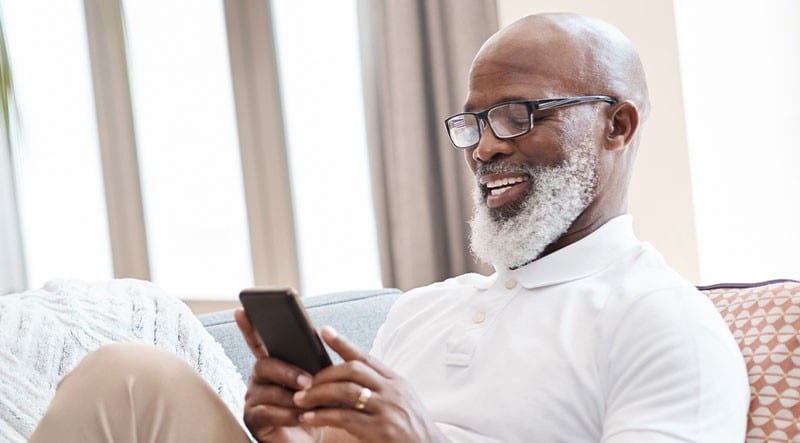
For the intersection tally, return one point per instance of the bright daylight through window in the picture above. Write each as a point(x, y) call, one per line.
point(60, 180)
point(188, 148)
point(190, 170)
point(319, 64)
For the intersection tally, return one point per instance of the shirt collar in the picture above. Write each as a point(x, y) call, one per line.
point(580, 259)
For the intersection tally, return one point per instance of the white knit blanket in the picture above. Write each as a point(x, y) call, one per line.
point(44, 333)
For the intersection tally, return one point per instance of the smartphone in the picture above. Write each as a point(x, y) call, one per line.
point(285, 328)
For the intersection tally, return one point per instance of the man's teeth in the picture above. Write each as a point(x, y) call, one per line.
point(497, 187)
point(498, 191)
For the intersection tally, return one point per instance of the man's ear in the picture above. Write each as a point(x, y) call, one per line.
point(622, 125)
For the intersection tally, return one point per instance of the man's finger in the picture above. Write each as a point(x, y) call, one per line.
point(250, 334)
point(261, 416)
point(355, 371)
point(271, 370)
point(344, 394)
point(350, 420)
point(349, 351)
point(270, 394)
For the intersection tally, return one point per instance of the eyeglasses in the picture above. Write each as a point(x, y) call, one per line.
point(508, 119)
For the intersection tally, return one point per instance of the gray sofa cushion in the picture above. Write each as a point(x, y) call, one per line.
point(355, 314)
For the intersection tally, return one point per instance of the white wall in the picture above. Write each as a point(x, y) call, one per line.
point(723, 75)
point(661, 193)
point(741, 73)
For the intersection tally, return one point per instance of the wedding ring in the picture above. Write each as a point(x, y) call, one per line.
point(363, 398)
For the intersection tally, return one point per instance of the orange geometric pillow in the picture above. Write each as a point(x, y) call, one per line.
point(765, 321)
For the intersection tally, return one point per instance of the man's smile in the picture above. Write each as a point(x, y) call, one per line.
point(502, 189)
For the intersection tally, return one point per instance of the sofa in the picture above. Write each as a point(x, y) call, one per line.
point(355, 314)
point(764, 318)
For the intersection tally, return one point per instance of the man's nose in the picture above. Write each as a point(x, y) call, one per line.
point(490, 146)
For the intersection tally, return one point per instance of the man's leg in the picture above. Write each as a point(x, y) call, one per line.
point(136, 393)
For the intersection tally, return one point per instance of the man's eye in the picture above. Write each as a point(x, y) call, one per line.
point(518, 122)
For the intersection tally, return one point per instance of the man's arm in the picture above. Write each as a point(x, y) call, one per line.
point(674, 373)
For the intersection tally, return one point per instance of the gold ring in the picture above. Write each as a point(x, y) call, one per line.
point(363, 398)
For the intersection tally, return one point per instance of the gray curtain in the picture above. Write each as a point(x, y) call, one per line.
point(416, 55)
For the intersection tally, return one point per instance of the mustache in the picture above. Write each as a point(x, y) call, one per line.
point(502, 168)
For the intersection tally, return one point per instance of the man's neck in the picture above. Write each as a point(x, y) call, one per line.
point(580, 229)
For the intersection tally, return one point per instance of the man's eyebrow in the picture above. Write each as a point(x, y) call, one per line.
point(510, 98)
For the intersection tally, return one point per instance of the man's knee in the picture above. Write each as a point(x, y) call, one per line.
point(118, 363)
point(125, 390)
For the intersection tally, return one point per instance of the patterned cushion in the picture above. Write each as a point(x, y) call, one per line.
point(765, 321)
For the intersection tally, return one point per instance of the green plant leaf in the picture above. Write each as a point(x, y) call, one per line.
point(7, 102)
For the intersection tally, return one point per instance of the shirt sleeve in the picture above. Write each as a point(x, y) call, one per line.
point(387, 331)
point(674, 374)
point(377, 344)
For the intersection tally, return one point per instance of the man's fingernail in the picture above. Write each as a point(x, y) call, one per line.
point(332, 333)
point(299, 396)
point(304, 381)
point(307, 416)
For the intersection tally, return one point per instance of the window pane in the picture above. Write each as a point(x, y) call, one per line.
point(188, 147)
point(319, 67)
point(61, 197)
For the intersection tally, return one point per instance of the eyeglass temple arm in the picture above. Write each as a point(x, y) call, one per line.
point(558, 102)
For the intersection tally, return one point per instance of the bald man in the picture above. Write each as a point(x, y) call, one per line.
point(583, 333)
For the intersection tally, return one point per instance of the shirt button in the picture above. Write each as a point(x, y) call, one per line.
point(479, 318)
point(511, 284)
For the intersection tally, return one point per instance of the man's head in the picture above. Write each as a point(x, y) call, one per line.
point(542, 190)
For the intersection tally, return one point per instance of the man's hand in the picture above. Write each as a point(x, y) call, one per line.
point(269, 411)
point(364, 398)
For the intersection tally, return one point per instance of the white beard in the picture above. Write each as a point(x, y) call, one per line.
point(558, 195)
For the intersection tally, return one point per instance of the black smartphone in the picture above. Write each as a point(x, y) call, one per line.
point(285, 328)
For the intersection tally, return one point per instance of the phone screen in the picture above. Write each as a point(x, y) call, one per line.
point(285, 328)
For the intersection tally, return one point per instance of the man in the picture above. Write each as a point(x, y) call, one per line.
point(583, 334)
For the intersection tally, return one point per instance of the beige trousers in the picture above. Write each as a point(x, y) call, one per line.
point(136, 393)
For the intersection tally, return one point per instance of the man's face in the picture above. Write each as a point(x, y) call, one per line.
point(531, 188)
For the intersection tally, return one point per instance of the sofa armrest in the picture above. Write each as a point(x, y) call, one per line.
point(355, 314)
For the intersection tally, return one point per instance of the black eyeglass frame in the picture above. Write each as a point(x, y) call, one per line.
point(533, 106)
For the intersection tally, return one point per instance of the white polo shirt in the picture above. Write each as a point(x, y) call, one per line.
point(599, 341)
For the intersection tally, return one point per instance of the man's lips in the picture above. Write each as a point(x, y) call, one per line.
point(502, 189)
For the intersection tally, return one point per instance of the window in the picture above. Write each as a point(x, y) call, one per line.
point(320, 77)
point(186, 140)
point(62, 205)
point(188, 148)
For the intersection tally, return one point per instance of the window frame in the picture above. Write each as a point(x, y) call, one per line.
point(262, 143)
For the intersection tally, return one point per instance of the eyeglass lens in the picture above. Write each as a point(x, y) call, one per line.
point(507, 120)
point(464, 130)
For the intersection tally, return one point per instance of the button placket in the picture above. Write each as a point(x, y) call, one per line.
point(510, 284)
point(491, 304)
point(467, 332)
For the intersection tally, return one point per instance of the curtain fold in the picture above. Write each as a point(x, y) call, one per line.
point(415, 56)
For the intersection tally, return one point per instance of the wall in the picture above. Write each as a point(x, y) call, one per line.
point(743, 119)
point(661, 192)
